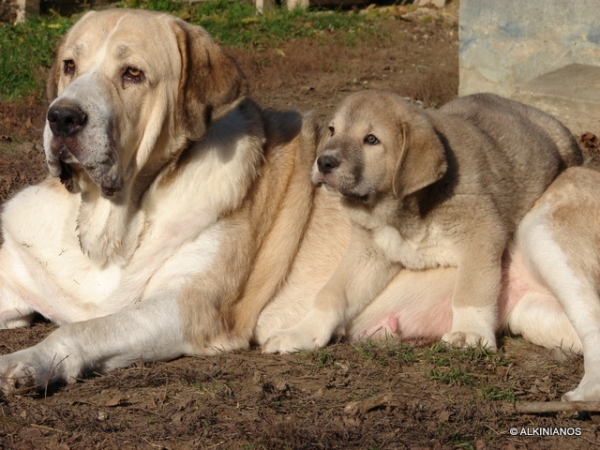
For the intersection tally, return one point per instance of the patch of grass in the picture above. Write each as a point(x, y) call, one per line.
point(453, 374)
point(27, 50)
point(324, 358)
point(237, 24)
point(405, 352)
point(494, 393)
point(385, 352)
point(170, 6)
point(448, 363)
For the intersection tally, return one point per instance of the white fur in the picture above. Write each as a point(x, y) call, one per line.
point(426, 251)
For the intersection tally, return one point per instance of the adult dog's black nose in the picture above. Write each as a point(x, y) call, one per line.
point(326, 163)
point(66, 120)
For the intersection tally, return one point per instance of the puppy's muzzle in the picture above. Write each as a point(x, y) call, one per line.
point(66, 120)
point(327, 163)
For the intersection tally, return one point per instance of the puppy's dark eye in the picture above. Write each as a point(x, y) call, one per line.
point(331, 130)
point(69, 67)
point(133, 74)
point(371, 140)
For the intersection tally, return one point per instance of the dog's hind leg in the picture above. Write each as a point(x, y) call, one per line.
point(540, 319)
point(560, 243)
point(15, 312)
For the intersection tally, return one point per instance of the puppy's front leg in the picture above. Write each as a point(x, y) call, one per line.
point(474, 303)
point(149, 331)
point(361, 275)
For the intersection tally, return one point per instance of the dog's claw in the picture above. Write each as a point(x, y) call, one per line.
point(462, 339)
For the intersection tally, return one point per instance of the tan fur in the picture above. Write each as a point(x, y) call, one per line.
point(187, 204)
point(560, 243)
point(187, 223)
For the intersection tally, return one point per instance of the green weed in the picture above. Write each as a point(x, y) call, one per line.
point(385, 353)
point(324, 358)
point(27, 50)
point(453, 374)
point(494, 393)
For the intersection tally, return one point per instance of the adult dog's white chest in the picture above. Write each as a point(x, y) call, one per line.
point(425, 248)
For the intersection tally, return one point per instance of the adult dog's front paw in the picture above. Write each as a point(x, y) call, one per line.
point(19, 371)
point(28, 369)
point(462, 339)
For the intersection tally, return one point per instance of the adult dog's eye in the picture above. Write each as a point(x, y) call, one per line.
point(69, 67)
point(331, 130)
point(371, 140)
point(133, 74)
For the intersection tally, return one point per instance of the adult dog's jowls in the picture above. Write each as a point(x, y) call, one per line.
point(180, 219)
point(448, 188)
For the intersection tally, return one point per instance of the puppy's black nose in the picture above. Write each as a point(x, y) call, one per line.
point(66, 120)
point(326, 163)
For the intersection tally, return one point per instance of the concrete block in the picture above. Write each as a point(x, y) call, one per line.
point(509, 42)
point(571, 94)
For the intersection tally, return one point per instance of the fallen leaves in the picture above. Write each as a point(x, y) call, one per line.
point(590, 142)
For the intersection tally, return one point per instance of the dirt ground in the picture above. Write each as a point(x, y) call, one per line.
point(371, 396)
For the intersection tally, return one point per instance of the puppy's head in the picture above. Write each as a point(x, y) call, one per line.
point(127, 87)
point(378, 143)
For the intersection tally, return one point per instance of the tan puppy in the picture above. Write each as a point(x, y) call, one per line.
point(428, 189)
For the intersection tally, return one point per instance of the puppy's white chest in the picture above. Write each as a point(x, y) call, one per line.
point(425, 249)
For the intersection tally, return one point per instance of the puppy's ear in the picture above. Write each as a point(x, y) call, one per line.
point(422, 158)
point(211, 83)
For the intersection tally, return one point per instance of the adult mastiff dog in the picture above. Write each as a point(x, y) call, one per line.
point(179, 218)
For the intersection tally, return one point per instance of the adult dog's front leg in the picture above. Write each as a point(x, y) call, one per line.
point(149, 331)
point(360, 277)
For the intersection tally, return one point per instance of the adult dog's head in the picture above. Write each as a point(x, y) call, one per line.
point(379, 143)
point(129, 87)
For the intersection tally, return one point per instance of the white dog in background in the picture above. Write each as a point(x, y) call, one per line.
point(179, 219)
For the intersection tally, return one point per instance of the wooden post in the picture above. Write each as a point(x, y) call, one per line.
point(16, 11)
point(264, 6)
point(304, 4)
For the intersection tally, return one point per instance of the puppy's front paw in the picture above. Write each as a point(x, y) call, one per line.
point(462, 339)
point(304, 336)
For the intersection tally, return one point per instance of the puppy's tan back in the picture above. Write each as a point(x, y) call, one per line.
point(493, 114)
point(509, 150)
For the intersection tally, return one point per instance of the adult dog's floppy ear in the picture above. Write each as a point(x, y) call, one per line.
point(54, 75)
point(211, 83)
point(421, 157)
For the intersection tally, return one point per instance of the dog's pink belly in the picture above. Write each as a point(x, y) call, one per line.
point(428, 314)
point(411, 323)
